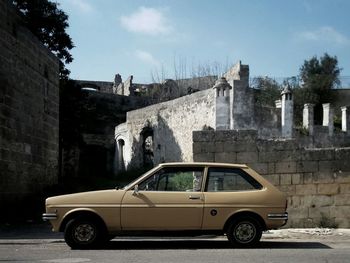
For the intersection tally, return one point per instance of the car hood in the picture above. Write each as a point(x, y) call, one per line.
point(93, 197)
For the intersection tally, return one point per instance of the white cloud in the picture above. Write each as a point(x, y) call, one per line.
point(83, 5)
point(148, 21)
point(325, 34)
point(147, 57)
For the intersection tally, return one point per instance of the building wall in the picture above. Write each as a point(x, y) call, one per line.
point(171, 124)
point(29, 112)
point(316, 180)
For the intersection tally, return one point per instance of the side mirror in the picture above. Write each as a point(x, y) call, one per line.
point(136, 190)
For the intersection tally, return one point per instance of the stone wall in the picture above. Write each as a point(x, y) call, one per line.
point(167, 127)
point(317, 181)
point(29, 112)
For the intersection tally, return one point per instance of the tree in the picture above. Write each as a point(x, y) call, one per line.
point(319, 77)
point(267, 91)
point(48, 23)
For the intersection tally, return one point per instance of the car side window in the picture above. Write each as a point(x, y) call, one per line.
point(230, 180)
point(174, 179)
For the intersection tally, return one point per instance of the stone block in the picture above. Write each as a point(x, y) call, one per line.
point(261, 168)
point(307, 166)
point(247, 135)
point(306, 189)
point(296, 178)
point(285, 179)
point(343, 222)
point(285, 167)
point(247, 157)
point(344, 188)
point(317, 154)
point(342, 199)
point(226, 136)
point(327, 166)
point(288, 189)
point(340, 211)
point(225, 157)
point(204, 157)
point(342, 177)
point(317, 200)
point(273, 178)
point(219, 147)
point(318, 212)
point(203, 136)
point(271, 168)
point(328, 189)
point(323, 177)
point(298, 213)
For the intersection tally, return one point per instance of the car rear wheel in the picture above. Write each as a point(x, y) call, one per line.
point(83, 233)
point(244, 232)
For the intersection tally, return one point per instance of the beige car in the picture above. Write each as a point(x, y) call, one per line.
point(173, 199)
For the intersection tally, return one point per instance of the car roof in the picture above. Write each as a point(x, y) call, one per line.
point(232, 165)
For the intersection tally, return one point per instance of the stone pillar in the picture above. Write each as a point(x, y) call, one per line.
point(328, 115)
point(308, 117)
point(222, 104)
point(287, 113)
point(345, 119)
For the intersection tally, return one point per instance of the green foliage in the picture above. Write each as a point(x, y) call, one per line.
point(182, 181)
point(48, 23)
point(268, 91)
point(319, 76)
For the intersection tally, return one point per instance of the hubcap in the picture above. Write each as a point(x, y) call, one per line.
point(84, 233)
point(245, 232)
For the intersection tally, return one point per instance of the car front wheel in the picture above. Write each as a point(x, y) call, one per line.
point(244, 232)
point(83, 233)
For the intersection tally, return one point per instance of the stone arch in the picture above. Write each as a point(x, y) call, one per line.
point(147, 146)
point(90, 86)
point(120, 153)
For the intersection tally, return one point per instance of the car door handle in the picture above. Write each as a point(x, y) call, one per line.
point(194, 197)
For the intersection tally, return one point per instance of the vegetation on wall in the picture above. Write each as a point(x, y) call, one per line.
point(49, 24)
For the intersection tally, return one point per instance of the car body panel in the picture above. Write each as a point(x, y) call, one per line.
point(153, 210)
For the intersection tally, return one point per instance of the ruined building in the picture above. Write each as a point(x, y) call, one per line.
point(223, 124)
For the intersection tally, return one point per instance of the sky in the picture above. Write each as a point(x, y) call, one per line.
point(154, 39)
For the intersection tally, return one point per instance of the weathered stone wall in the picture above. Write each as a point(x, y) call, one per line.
point(317, 181)
point(169, 127)
point(29, 112)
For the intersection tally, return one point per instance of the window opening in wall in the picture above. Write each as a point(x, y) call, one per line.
point(121, 165)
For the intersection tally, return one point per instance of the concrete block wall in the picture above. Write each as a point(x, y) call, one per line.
point(29, 112)
point(317, 181)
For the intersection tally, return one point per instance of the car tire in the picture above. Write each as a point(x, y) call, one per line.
point(244, 232)
point(82, 233)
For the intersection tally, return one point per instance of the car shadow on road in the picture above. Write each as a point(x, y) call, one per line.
point(206, 244)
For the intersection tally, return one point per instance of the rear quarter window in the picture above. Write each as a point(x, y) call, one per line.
point(230, 180)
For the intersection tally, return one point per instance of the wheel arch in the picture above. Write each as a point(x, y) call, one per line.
point(83, 213)
point(242, 214)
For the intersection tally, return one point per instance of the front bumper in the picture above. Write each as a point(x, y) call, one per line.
point(49, 216)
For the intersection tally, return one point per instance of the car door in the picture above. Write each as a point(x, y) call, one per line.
point(169, 199)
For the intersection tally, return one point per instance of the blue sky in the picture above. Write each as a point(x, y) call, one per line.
point(139, 38)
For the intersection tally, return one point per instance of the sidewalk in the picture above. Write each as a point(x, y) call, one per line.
point(43, 231)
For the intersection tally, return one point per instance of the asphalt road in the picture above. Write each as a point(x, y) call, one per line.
point(285, 246)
